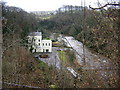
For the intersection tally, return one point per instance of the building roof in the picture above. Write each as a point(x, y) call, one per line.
point(35, 34)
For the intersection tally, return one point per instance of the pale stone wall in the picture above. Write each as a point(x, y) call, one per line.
point(47, 45)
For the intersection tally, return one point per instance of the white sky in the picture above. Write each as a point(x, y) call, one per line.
point(47, 5)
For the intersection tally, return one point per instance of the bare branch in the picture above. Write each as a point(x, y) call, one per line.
point(11, 45)
point(104, 6)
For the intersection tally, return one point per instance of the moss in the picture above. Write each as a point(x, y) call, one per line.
point(46, 39)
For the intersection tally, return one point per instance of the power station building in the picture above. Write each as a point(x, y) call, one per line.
point(36, 44)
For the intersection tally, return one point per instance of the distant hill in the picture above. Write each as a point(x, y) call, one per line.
point(43, 13)
point(64, 8)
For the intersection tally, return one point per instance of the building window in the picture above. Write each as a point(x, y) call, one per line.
point(34, 39)
point(46, 44)
point(39, 40)
point(49, 44)
point(39, 44)
point(43, 44)
point(29, 40)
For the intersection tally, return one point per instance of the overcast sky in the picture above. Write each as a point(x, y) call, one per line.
point(48, 5)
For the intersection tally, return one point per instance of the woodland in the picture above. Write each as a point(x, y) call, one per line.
point(97, 29)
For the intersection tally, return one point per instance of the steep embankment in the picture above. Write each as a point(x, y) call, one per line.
point(21, 69)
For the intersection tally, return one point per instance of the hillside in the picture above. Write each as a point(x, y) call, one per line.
point(98, 30)
point(20, 68)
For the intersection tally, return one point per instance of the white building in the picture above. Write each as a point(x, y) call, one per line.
point(36, 44)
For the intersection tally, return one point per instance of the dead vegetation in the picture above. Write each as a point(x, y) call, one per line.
point(20, 67)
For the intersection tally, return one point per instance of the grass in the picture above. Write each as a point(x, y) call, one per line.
point(45, 17)
point(64, 57)
point(67, 58)
point(42, 65)
point(46, 39)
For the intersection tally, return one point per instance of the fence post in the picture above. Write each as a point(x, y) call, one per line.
point(0, 45)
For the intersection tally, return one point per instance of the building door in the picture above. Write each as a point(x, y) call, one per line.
point(35, 50)
point(47, 50)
